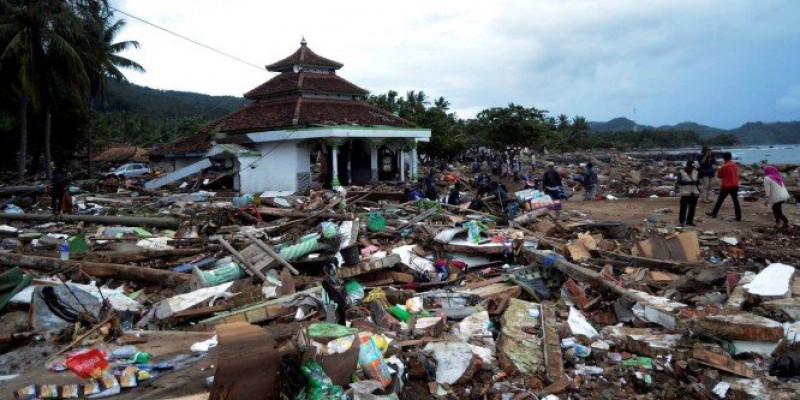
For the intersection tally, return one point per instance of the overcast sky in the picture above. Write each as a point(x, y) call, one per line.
point(720, 63)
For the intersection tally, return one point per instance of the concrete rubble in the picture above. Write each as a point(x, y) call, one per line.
point(361, 293)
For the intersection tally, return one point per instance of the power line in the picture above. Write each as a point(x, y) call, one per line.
point(223, 53)
point(142, 20)
point(205, 46)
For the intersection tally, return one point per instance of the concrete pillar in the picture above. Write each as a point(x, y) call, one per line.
point(414, 162)
point(349, 170)
point(373, 162)
point(402, 165)
point(335, 165)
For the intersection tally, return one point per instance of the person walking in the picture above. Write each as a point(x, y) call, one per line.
point(688, 188)
point(776, 194)
point(590, 182)
point(706, 173)
point(729, 175)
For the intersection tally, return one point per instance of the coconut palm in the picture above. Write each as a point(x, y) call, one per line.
point(41, 39)
point(102, 54)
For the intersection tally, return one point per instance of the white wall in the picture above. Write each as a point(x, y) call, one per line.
point(277, 170)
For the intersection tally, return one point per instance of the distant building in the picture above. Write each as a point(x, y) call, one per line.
point(309, 126)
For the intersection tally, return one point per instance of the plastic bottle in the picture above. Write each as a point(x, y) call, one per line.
point(124, 352)
point(141, 357)
point(399, 312)
point(64, 251)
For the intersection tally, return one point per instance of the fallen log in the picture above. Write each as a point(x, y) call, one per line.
point(98, 270)
point(156, 222)
point(124, 257)
point(23, 189)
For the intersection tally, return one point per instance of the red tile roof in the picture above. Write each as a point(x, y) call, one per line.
point(198, 142)
point(303, 56)
point(305, 111)
point(122, 154)
point(307, 82)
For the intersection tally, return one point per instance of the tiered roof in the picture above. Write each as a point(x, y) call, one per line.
point(303, 57)
point(307, 82)
point(307, 92)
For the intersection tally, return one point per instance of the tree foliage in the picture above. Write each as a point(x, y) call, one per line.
point(59, 55)
point(514, 126)
point(447, 130)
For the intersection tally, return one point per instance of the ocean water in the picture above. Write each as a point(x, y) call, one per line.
point(777, 154)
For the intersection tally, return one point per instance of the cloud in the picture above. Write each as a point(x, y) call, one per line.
point(674, 60)
point(791, 99)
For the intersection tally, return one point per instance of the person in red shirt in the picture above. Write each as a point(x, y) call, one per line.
point(729, 174)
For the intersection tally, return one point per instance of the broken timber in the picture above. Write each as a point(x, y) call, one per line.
point(156, 222)
point(552, 344)
point(98, 270)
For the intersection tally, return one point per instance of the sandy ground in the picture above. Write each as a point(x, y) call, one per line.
point(755, 215)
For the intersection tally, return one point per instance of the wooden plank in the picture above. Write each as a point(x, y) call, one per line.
point(722, 362)
point(554, 364)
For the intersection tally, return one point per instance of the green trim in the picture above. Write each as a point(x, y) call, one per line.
point(359, 127)
point(335, 182)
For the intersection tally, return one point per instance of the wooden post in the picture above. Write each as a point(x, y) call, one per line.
point(271, 252)
point(240, 257)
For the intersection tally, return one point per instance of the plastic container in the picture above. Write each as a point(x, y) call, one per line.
point(376, 222)
point(351, 255)
point(371, 360)
point(225, 273)
point(399, 312)
point(64, 251)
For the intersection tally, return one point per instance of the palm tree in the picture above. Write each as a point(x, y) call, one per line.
point(41, 39)
point(101, 56)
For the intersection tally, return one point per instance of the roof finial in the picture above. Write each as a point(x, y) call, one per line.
point(303, 41)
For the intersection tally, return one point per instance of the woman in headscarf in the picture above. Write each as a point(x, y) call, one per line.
point(776, 194)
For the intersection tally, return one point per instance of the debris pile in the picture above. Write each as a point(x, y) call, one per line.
point(361, 293)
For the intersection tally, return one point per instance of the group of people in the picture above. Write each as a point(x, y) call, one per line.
point(695, 179)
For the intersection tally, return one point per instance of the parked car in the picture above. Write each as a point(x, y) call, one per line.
point(129, 170)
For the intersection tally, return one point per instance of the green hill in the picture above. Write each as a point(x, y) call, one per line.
point(144, 116)
point(749, 133)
